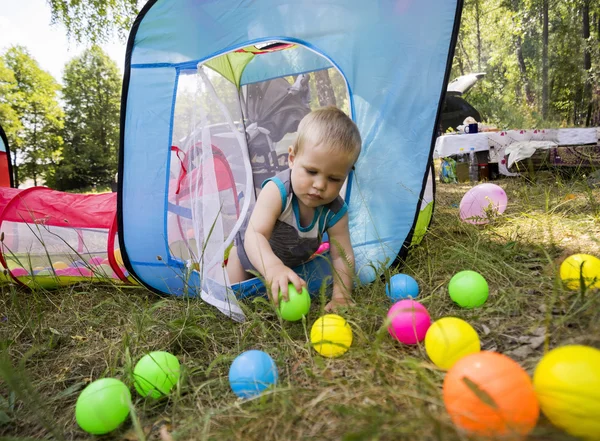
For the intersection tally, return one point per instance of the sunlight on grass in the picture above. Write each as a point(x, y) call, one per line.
point(56, 342)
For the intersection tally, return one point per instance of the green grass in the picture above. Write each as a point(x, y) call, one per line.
point(54, 343)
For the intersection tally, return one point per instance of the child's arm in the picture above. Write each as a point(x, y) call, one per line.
point(259, 251)
point(342, 257)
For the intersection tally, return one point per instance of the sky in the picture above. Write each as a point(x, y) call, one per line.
point(27, 23)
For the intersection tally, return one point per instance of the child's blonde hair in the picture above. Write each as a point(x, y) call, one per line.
point(330, 127)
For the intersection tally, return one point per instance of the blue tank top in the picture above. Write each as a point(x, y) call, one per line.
point(291, 242)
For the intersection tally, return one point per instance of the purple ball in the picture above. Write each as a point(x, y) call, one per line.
point(481, 201)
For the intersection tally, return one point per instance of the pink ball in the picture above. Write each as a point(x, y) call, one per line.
point(76, 272)
point(480, 201)
point(105, 262)
point(409, 321)
point(19, 272)
point(96, 260)
point(323, 247)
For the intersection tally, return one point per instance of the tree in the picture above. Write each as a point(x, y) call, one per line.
point(94, 21)
point(91, 94)
point(541, 60)
point(35, 139)
point(8, 89)
point(325, 91)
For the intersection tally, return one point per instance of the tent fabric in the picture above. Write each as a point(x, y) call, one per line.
point(6, 177)
point(41, 205)
point(394, 56)
point(70, 236)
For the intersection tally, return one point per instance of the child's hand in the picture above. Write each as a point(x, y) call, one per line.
point(338, 302)
point(279, 277)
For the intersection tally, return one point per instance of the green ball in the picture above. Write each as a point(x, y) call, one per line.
point(468, 289)
point(102, 406)
point(297, 306)
point(155, 374)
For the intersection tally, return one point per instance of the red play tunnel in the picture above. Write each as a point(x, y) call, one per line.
point(52, 238)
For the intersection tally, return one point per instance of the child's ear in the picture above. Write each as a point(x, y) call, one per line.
point(291, 156)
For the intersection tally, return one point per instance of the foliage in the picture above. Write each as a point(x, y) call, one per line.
point(8, 87)
point(94, 21)
point(504, 38)
point(36, 139)
point(91, 95)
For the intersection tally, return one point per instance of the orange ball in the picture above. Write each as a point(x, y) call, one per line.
point(489, 394)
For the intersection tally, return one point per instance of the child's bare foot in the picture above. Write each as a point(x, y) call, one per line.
point(338, 303)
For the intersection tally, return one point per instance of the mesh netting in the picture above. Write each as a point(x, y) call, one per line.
point(51, 237)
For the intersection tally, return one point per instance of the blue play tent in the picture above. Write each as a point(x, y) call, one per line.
point(212, 95)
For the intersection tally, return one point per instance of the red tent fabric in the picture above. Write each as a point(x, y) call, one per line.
point(4, 170)
point(42, 205)
point(87, 224)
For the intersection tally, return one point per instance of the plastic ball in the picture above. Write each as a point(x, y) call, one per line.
point(45, 272)
point(19, 272)
point(488, 394)
point(567, 384)
point(580, 265)
point(75, 272)
point(409, 321)
point(156, 373)
point(331, 335)
point(118, 257)
point(79, 264)
point(103, 271)
point(102, 406)
point(251, 373)
point(297, 306)
point(105, 262)
point(402, 286)
point(324, 247)
point(481, 202)
point(59, 265)
point(468, 289)
point(449, 339)
point(96, 260)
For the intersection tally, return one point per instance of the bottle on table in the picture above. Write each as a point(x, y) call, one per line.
point(473, 166)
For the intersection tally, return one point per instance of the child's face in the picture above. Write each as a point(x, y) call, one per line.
point(318, 174)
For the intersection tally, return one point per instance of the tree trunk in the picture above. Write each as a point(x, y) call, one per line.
point(464, 58)
point(324, 88)
point(477, 23)
point(15, 171)
point(587, 63)
point(523, 70)
point(545, 59)
point(526, 85)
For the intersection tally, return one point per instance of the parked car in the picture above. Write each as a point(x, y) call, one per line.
point(456, 108)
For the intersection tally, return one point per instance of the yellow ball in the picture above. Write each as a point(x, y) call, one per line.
point(60, 265)
point(331, 336)
point(118, 257)
point(579, 265)
point(449, 339)
point(567, 384)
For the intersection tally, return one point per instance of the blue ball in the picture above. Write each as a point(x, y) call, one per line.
point(251, 373)
point(402, 286)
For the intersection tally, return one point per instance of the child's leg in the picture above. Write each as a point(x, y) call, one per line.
point(235, 270)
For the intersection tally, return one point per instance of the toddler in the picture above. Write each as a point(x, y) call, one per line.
point(297, 206)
